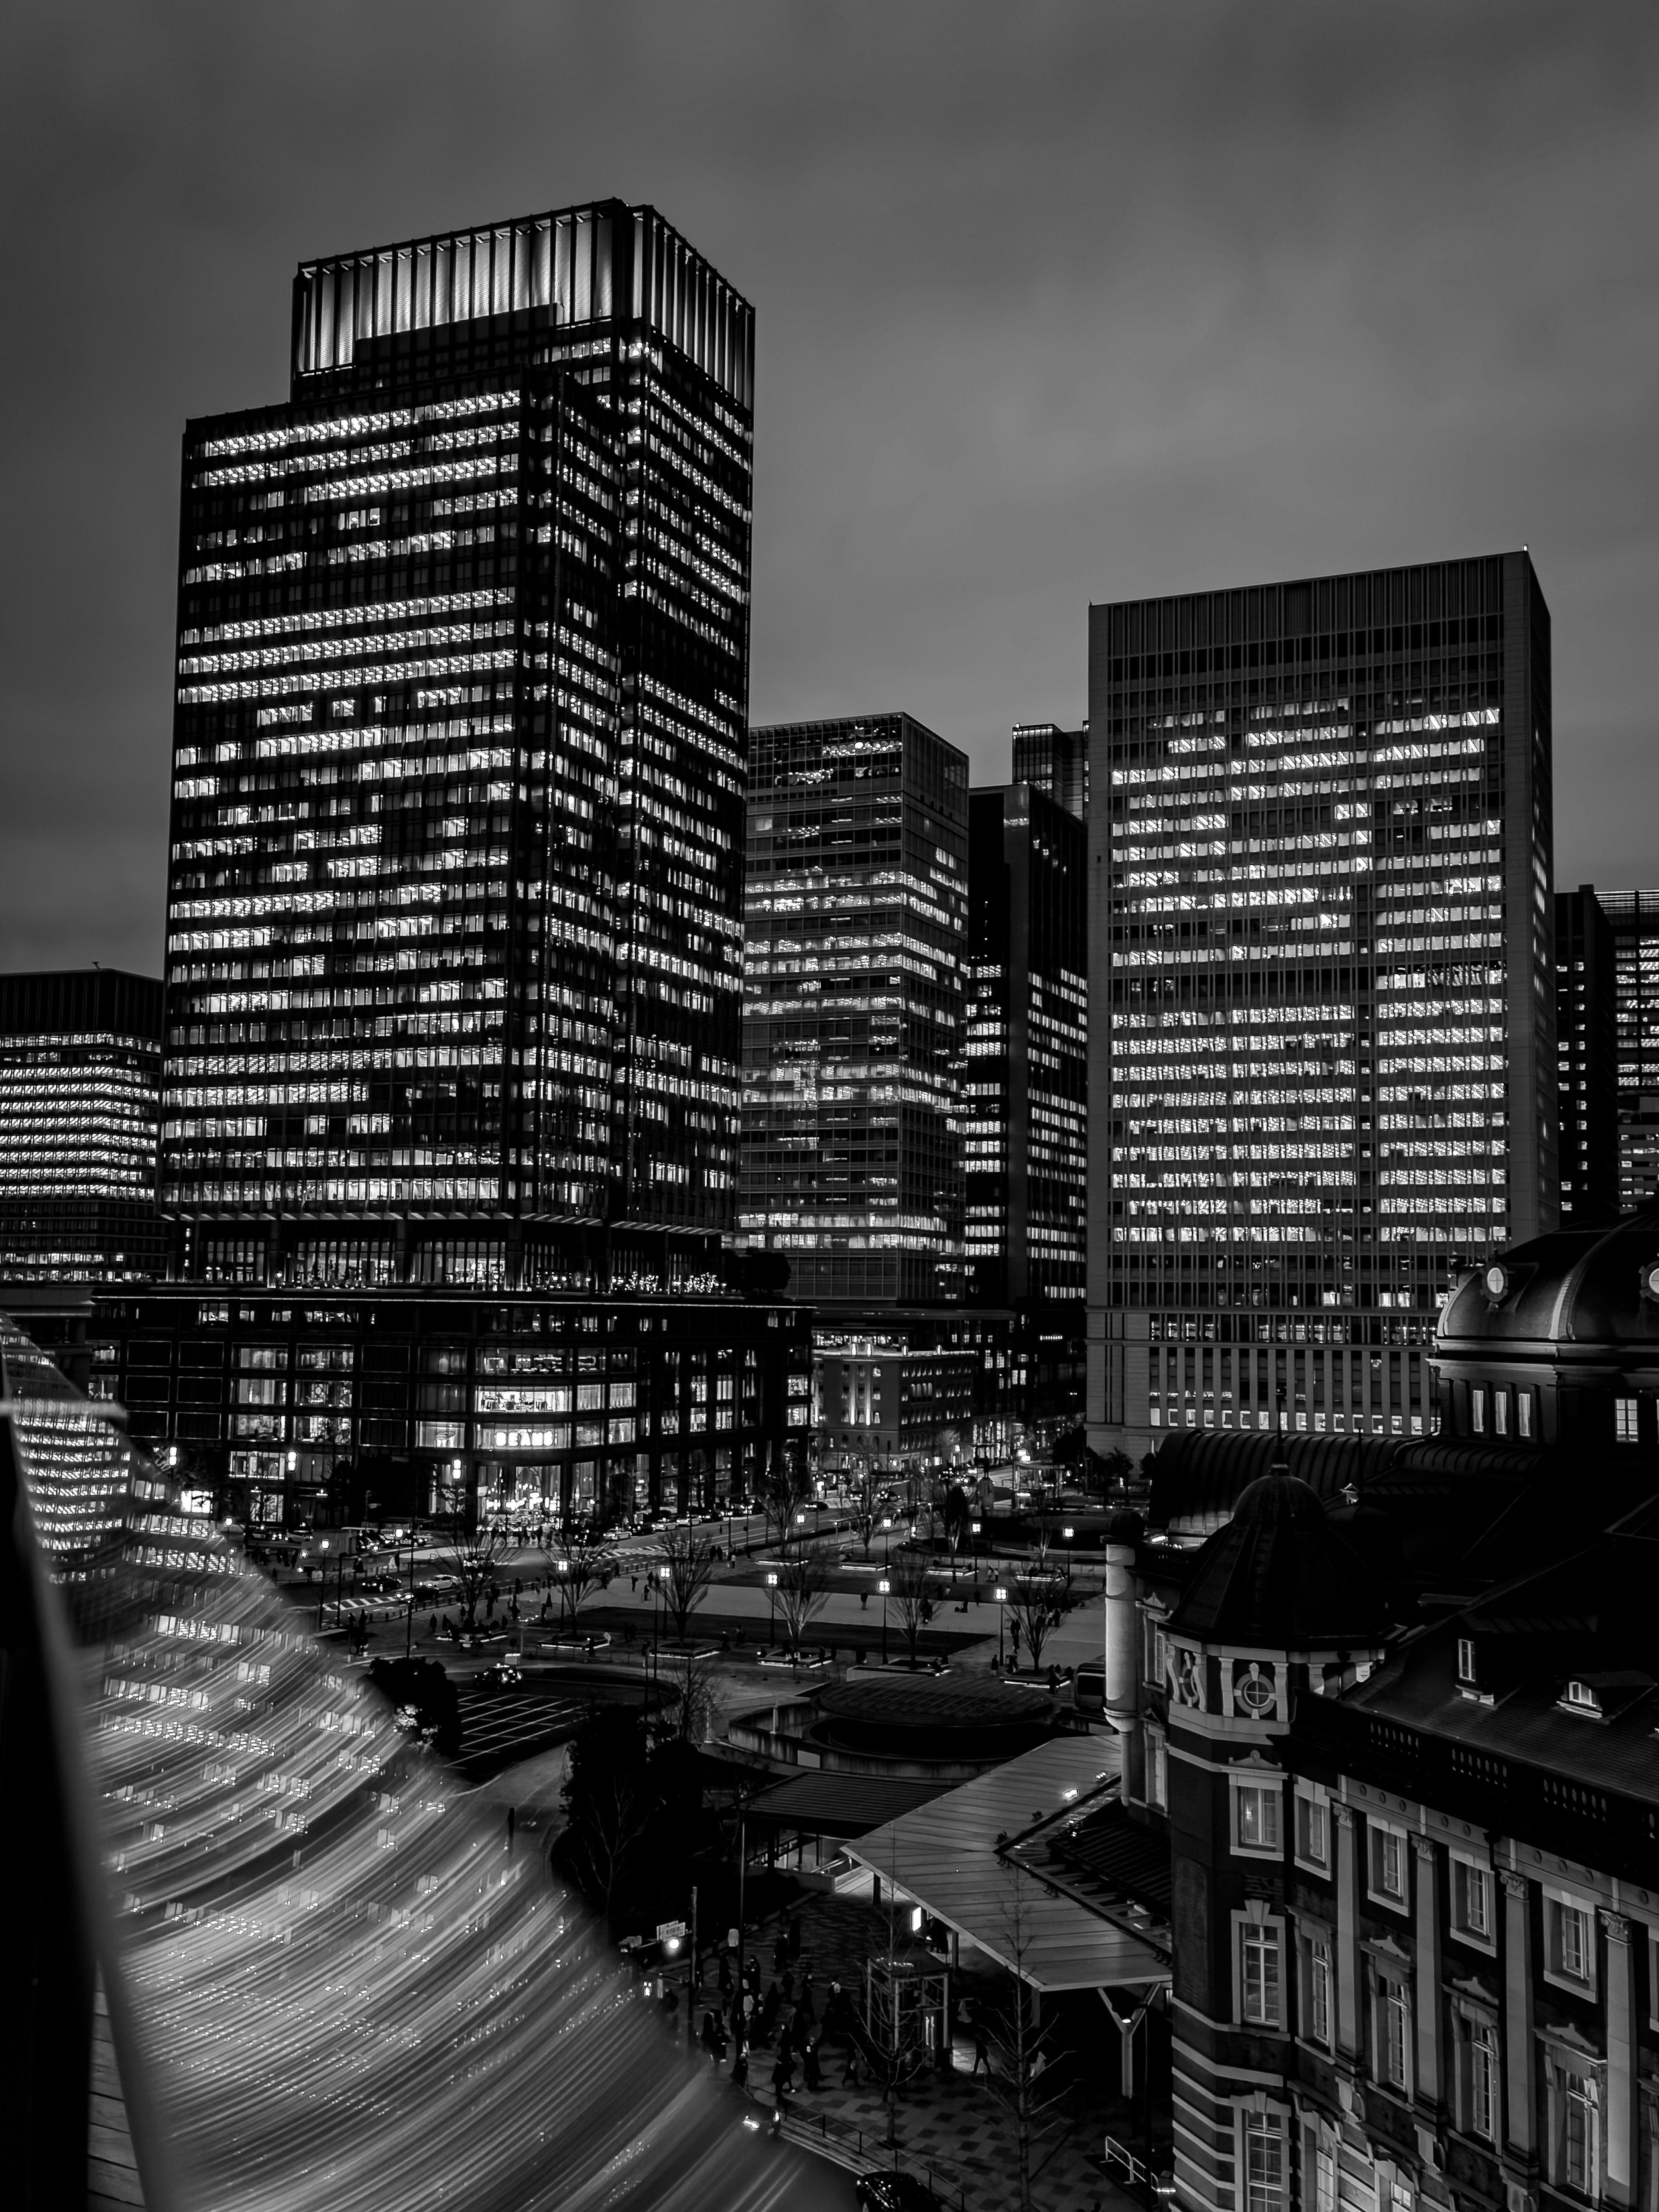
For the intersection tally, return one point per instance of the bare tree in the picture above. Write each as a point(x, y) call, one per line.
point(864, 1515)
point(585, 1565)
point(785, 1488)
point(801, 1594)
point(608, 1822)
point(908, 1577)
point(688, 1562)
point(958, 1522)
point(689, 1690)
point(1022, 2048)
point(477, 1548)
point(1037, 1601)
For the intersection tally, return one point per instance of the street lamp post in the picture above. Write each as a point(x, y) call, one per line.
point(883, 1586)
point(1002, 1616)
point(771, 1609)
point(322, 1582)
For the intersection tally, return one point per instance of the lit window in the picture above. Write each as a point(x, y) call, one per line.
point(1258, 1978)
point(1258, 1817)
point(1582, 1696)
point(1466, 1660)
point(1523, 1412)
point(1478, 1410)
point(1500, 1411)
point(1624, 1420)
point(1322, 2164)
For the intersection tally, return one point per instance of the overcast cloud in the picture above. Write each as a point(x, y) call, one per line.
point(1055, 303)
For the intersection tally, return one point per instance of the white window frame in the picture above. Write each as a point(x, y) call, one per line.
point(1477, 2032)
point(1158, 1769)
point(1391, 2004)
point(1315, 1946)
point(1268, 1930)
point(1264, 2128)
point(1478, 1409)
point(1523, 1404)
point(1557, 1902)
point(1376, 1830)
point(1320, 2171)
point(1311, 1797)
point(1627, 1420)
point(1268, 1790)
point(1465, 1862)
point(1558, 2066)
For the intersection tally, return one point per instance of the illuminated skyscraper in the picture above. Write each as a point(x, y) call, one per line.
point(1586, 1054)
point(1024, 1070)
point(1322, 986)
point(857, 910)
point(455, 908)
point(1633, 918)
point(1054, 761)
point(79, 1093)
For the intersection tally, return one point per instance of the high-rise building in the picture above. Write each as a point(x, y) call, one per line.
point(454, 906)
point(1054, 761)
point(1025, 1069)
point(1322, 986)
point(856, 918)
point(1586, 1057)
point(1633, 918)
point(80, 1095)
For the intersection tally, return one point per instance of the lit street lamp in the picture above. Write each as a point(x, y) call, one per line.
point(322, 1584)
point(771, 1609)
point(883, 1586)
point(1002, 1602)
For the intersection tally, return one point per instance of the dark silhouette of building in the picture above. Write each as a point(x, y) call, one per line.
point(857, 912)
point(455, 901)
point(1054, 761)
point(1321, 1001)
point(1025, 1071)
point(80, 1101)
point(1633, 918)
point(1395, 1720)
point(1587, 1050)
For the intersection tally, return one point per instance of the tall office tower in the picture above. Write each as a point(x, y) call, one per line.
point(856, 937)
point(454, 909)
point(1054, 761)
point(1322, 986)
point(1026, 1070)
point(1586, 1059)
point(80, 1094)
point(1633, 918)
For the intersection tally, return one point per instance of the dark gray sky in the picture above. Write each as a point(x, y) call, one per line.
point(1055, 303)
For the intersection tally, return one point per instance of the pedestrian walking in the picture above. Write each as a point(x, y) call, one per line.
point(981, 2056)
point(781, 1953)
point(849, 2073)
point(810, 2070)
point(740, 2065)
point(804, 2006)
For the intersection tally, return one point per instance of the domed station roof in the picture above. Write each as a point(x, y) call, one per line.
point(1597, 1288)
point(1280, 1578)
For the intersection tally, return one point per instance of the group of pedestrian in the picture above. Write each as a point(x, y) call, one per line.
point(783, 2018)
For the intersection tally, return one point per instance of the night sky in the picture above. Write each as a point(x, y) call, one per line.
point(1055, 304)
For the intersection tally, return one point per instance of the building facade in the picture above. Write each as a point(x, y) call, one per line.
point(80, 1105)
point(1321, 984)
point(881, 1402)
point(1586, 1059)
point(1055, 761)
point(306, 1409)
point(1025, 1076)
point(454, 900)
point(1633, 918)
point(856, 943)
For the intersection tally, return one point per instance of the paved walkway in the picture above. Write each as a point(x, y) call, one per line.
point(952, 2126)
